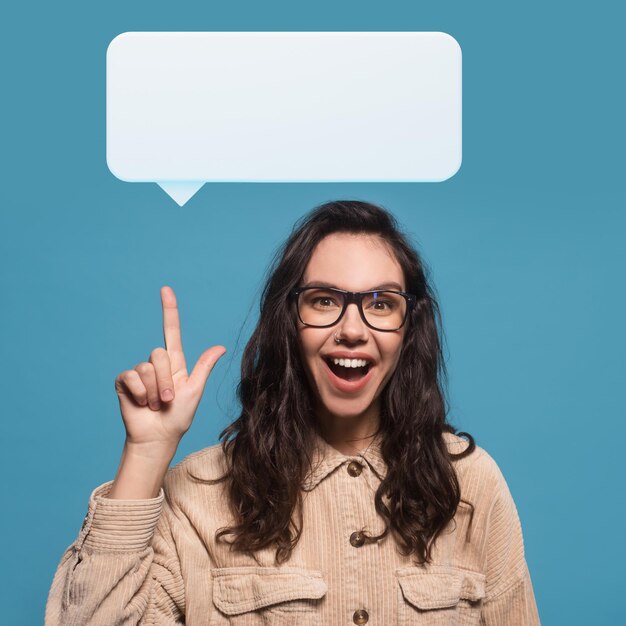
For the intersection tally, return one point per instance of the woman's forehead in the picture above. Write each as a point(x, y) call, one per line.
point(356, 262)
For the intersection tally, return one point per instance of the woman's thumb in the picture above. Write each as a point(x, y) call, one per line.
point(205, 364)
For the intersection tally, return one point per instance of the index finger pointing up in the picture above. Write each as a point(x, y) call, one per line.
point(171, 330)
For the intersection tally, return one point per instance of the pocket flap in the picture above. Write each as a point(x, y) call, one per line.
point(241, 589)
point(438, 587)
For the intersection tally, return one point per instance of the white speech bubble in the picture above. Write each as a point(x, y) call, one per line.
point(188, 108)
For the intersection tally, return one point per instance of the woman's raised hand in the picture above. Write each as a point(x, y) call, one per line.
point(158, 398)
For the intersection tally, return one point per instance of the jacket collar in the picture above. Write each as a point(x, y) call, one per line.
point(325, 459)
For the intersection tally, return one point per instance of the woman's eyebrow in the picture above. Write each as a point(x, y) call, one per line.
point(384, 286)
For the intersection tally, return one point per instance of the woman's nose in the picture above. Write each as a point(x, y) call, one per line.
point(351, 326)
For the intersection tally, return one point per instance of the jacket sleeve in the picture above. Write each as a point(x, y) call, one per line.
point(123, 568)
point(510, 599)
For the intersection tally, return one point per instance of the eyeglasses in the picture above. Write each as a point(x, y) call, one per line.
point(321, 307)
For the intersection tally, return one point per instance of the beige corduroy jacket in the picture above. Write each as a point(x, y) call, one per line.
point(156, 561)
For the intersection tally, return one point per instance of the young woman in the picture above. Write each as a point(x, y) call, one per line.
point(339, 496)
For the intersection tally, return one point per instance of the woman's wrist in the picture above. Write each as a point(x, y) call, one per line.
point(141, 472)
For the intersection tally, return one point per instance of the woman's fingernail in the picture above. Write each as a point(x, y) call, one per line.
point(167, 395)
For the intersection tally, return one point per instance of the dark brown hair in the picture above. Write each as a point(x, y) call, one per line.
point(268, 447)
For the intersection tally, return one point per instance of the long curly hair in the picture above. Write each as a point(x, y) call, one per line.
point(268, 447)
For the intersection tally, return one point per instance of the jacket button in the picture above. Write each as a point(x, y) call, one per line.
point(360, 616)
point(354, 469)
point(357, 539)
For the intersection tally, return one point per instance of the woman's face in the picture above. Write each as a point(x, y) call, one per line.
point(353, 262)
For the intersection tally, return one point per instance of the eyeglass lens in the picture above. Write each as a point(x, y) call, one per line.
point(384, 310)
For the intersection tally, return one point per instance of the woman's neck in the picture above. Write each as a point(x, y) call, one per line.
point(349, 435)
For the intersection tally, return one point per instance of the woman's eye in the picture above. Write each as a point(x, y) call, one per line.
point(381, 305)
point(323, 302)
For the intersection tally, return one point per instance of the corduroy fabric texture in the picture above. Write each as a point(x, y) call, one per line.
point(156, 561)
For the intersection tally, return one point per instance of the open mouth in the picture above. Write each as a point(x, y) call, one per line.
point(348, 369)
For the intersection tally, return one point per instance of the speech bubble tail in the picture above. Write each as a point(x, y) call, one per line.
point(181, 192)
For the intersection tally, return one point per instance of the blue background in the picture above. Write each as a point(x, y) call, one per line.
point(525, 245)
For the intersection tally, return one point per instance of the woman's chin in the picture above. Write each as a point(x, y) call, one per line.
point(346, 409)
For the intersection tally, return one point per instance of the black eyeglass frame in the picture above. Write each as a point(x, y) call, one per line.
point(357, 298)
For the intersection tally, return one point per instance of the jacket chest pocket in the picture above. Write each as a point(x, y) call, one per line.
point(439, 596)
point(254, 596)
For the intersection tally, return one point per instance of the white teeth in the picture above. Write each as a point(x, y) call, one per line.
point(350, 362)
